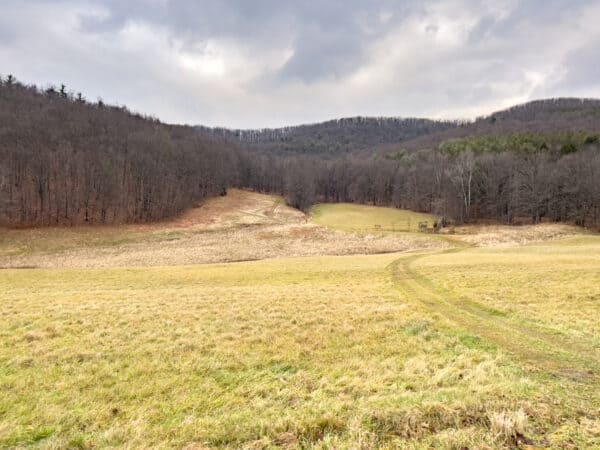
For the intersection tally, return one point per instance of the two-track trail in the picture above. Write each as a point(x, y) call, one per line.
point(534, 346)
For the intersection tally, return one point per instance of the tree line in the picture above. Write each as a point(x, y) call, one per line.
point(532, 162)
point(66, 160)
point(525, 186)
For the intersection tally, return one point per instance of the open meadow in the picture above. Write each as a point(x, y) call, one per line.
point(246, 324)
point(238, 227)
point(351, 217)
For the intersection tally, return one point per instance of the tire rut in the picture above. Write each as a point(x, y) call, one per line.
point(533, 345)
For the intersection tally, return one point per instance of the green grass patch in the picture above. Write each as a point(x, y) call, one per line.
point(363, 218)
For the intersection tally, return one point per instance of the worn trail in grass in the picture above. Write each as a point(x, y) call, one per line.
point(538, 347)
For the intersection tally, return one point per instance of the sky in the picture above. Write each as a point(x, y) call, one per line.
point(271, 63)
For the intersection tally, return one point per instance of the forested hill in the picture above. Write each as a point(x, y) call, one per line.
point(381, 135)
point(533, 162)
point(64, 160)
point(553, 119)
point(334, 137)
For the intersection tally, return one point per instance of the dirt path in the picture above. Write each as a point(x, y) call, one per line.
point(538, 348)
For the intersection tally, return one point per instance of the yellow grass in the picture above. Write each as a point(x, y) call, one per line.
point(241, 226)
point(511, 236)
point(447, 346)
point(351, 217)
point(294, 351)
point(556, 284)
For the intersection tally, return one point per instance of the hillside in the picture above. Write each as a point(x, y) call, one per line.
point(66, 161)
point(559, 120)
point(238, 227)
point(534, 162)
point(368, 135)
point(334, 138)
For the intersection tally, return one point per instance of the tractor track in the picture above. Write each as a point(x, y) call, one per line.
point(538, 348)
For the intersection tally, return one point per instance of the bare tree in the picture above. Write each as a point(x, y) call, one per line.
point(461, 173)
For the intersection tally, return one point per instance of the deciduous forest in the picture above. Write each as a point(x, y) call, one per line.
point(65, 160)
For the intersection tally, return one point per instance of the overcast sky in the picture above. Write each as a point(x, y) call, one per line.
point(259, 63)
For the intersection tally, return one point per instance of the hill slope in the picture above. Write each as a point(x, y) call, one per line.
point(334, 137)
point(66, 161)
point(240, 226)
point(549, 118)
point(364, 135)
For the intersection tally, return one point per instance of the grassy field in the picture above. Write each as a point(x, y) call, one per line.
point(351, 217)
point(462, 345)
point(241, 226)
point(554, 284)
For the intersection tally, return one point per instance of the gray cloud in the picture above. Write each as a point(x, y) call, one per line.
point(269, 62)
point(582, 70)
point(328, 38)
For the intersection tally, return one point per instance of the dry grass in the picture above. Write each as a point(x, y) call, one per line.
point(241, 226)
point(510, 236)
point(225, 245)
point(237, 208)
point(554, 283)
point(509, 425)
point(313, 351)
point(471, 348)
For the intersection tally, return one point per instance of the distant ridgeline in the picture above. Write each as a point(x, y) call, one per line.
point(66, 161)
point(550, 121)
point(581, 110)
point(335, 137)
point(356, 135)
